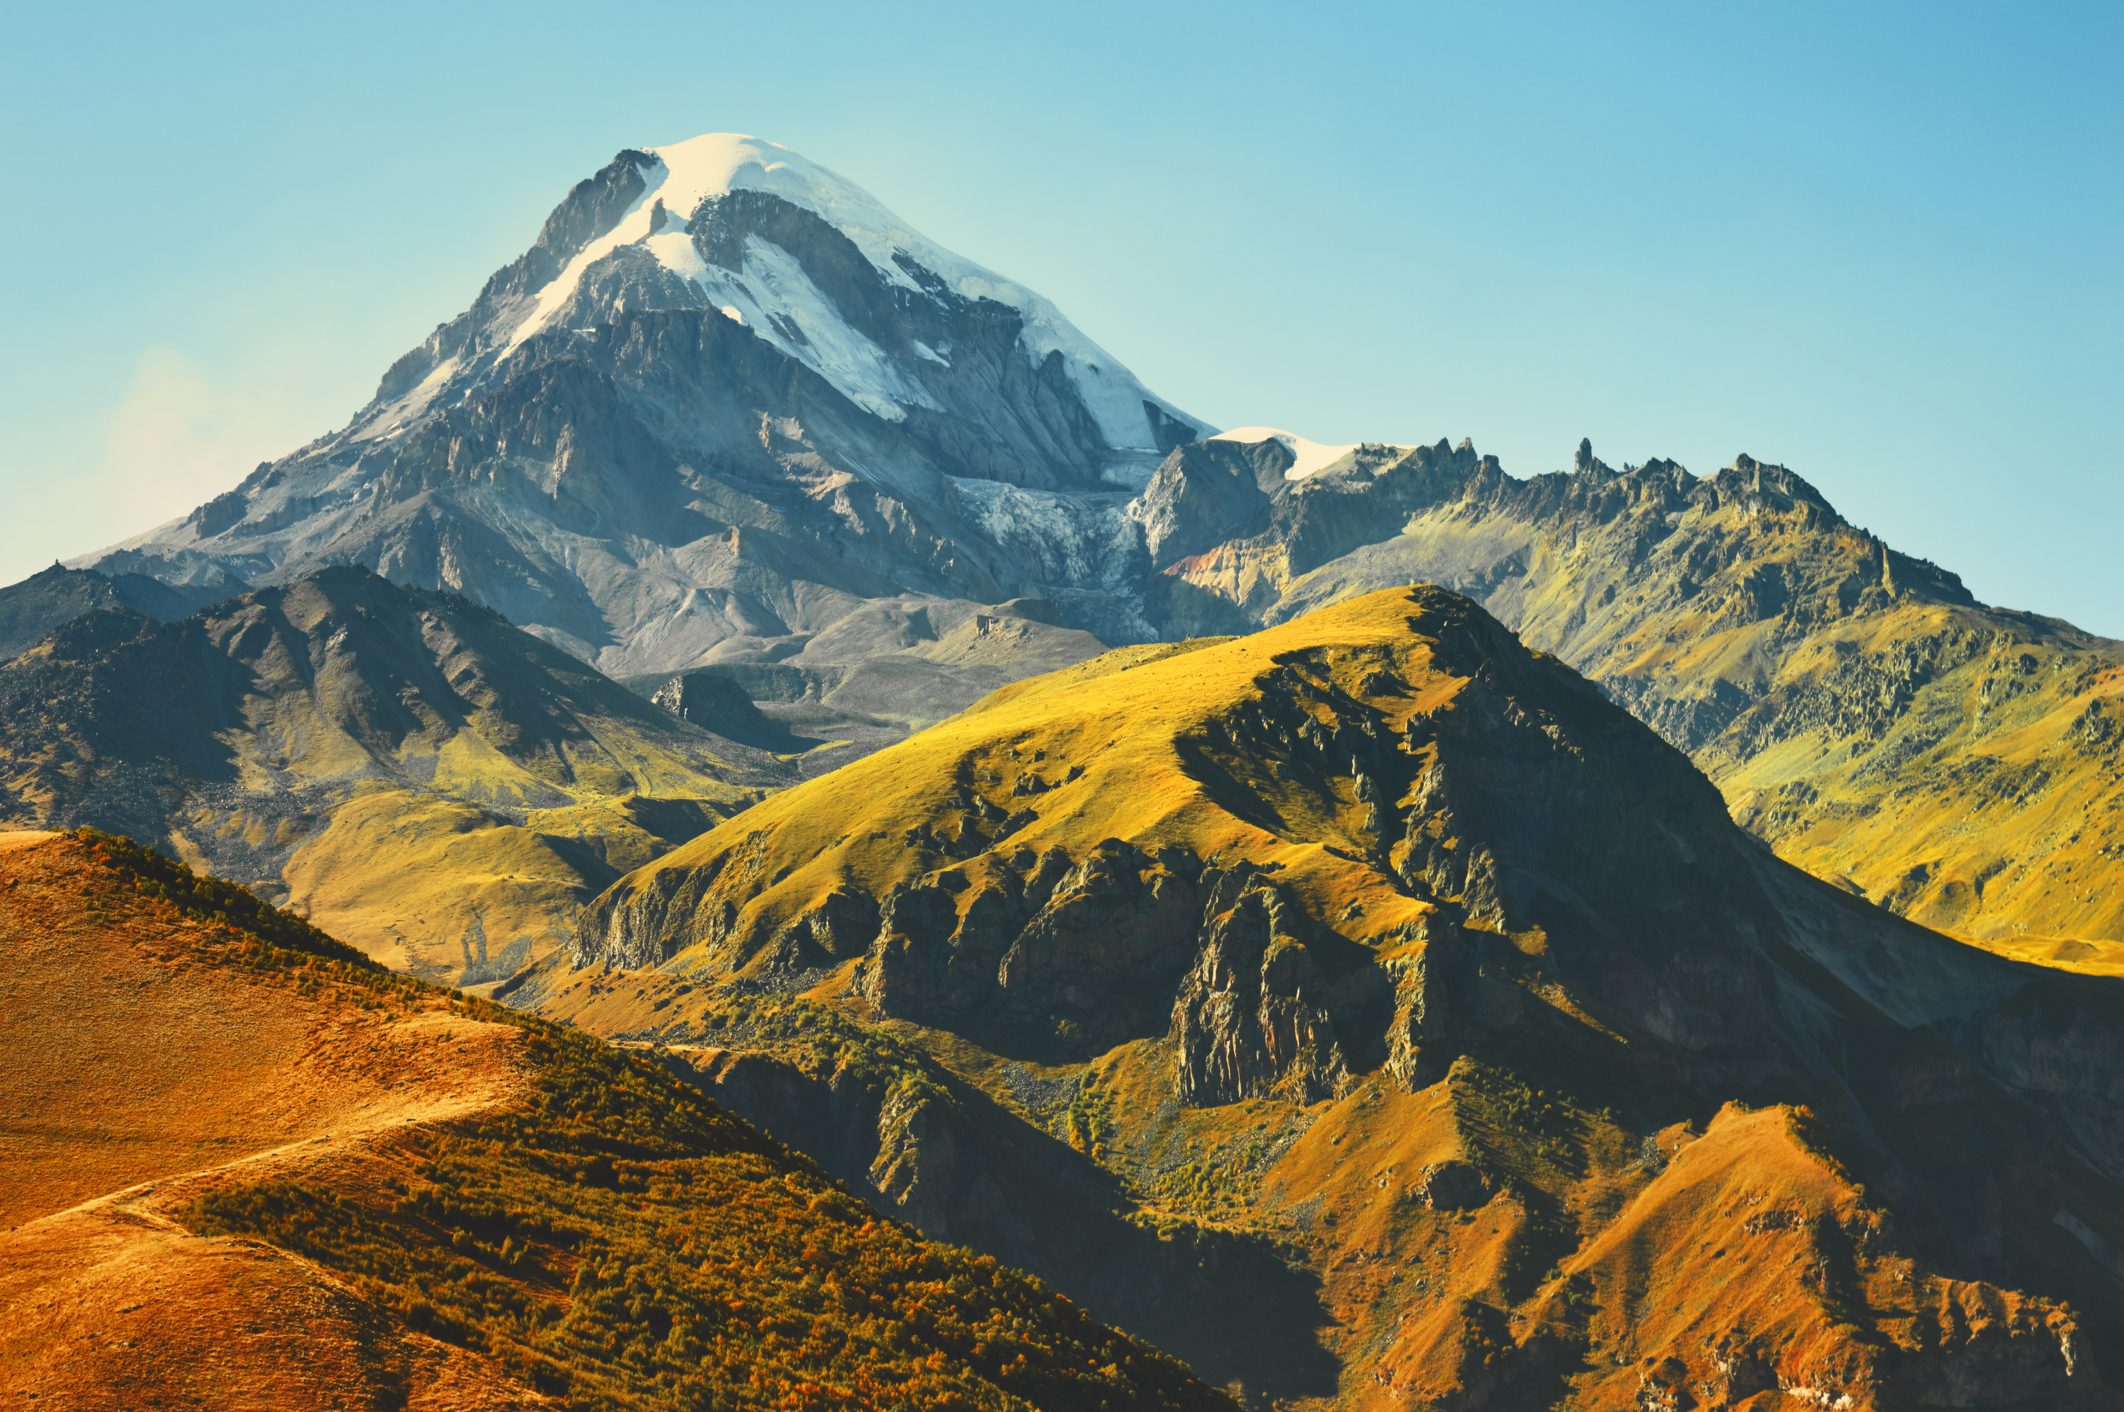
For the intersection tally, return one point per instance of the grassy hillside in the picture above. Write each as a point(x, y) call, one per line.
point(1378, 951)
point(415, 774)
point(1122, 747)
point(459, 1206)
point(1956, 762)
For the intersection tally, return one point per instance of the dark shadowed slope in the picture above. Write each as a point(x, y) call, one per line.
point(439, 786)
point(33, 609)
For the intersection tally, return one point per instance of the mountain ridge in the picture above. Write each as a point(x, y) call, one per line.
point(405, 764)
point(1861, 709)
point(51, 598)
point(661, 488)
point(1381, 875)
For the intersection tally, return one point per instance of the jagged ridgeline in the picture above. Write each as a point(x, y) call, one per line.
point(49, 599)
point(1430, 959)
point(266, 1172)
point(416, 774)
point(728, 410)
point(1956, 762)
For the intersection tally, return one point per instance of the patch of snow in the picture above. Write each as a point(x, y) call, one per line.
point(675, 251)
point(771, 295)
point(1312, 456)
point(923, 350)
point(1130, 470)
point(687, 173)
point(1073, 538)
point(391, 418)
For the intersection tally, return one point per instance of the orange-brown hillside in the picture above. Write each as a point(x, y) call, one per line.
point(150, 1057)
point(248, 1169)
point(1393, 964)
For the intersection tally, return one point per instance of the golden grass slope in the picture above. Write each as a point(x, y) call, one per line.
point(1486, 1244)
point(1065, 761)
point(260, 1174)
point(1991, 807)
point(1961, 764)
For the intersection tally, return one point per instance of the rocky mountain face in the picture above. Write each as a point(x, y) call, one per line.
point(402, 764)
point(728, 412)
point(727, 407)
point(1399, 949)
point(33, 609)
point(1859, 708)
point(247, 1168)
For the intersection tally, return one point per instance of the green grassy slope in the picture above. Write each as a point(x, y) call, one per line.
point(1858, 707)
point(426, 780)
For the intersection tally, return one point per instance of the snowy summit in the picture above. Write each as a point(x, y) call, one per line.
point(771, 293)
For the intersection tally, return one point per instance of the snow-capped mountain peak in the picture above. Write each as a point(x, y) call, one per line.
point(759, 282)
point(725, 396)
point(683, 175)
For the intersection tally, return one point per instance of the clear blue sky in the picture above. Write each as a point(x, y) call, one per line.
point(1880, 243)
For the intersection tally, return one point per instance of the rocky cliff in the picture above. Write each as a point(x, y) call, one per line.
point(1858, 707)
point(1384, 854)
